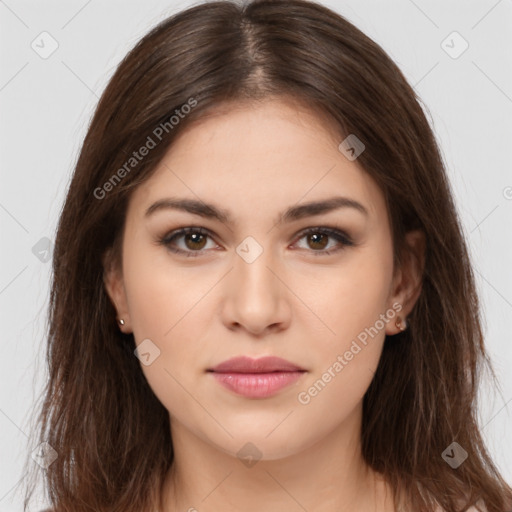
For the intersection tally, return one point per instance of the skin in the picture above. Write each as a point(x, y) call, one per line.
point(255, 160)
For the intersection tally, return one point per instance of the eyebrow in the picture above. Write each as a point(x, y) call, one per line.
point(293, 213)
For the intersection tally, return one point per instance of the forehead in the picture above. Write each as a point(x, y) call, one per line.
point(267, 155)
point(263, 128)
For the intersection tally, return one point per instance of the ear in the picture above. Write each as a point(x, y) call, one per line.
point(114, 285)
point(407, 281)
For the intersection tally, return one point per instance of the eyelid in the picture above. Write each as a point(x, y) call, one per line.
point(179, 232)
point(331, 231)
point(334, 232)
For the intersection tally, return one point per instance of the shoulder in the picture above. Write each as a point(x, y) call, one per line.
point(481, 507)
point(470, 509)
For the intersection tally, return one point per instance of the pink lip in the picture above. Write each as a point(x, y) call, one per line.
point(256, 378)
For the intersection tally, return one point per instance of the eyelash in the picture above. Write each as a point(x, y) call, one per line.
point(337, 234)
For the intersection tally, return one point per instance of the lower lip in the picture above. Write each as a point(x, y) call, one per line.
point(257, 385)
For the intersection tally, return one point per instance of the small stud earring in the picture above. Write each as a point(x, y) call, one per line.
point(401, 324)
point(121, 321)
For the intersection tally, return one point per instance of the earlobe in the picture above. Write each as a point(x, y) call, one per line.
point(114, 286)
point(408, 279)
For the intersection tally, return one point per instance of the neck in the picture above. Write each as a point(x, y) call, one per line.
point(205, 478)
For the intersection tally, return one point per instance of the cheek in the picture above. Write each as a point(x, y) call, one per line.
point(349, 298)
point(353, 304)
point(162, 298)
point(162, 310)
point(170, 307)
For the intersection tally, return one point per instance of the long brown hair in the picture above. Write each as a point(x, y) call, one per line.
point(110, 432)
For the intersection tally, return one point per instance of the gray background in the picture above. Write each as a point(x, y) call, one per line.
point(46, 104)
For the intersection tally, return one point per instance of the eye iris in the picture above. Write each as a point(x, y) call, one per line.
point(194, 237)
point(316, 237)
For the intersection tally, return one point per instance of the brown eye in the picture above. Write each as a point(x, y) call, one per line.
point(317, 239)
point(194, 241)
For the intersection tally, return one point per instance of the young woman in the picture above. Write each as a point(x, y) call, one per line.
point(262, 299)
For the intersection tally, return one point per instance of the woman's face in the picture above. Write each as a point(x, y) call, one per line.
point(255, 284)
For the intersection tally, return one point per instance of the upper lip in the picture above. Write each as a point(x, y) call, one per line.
point(265, 364)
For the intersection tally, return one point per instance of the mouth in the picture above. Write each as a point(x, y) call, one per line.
point(256, 378)
point(267, 364)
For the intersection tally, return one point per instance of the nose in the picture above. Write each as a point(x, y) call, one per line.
point(256, 298)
